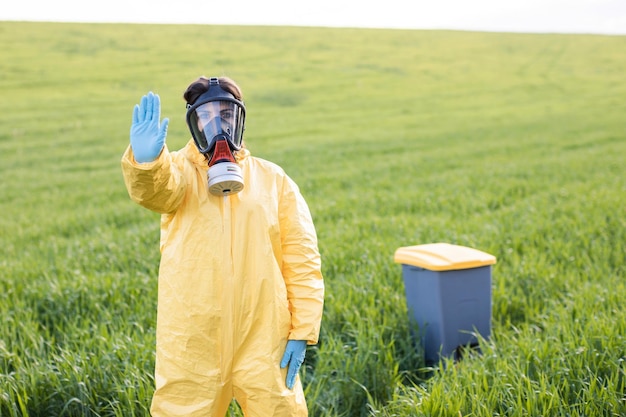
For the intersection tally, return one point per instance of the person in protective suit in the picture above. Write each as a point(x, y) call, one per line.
point(240, 289)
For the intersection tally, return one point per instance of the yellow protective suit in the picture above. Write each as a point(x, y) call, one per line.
point(239, 276)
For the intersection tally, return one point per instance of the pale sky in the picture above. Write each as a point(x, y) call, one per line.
point(554, 16)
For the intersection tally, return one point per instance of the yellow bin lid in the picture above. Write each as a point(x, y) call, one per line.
point(442, 257)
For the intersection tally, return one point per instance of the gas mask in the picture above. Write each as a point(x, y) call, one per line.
point(216, 121)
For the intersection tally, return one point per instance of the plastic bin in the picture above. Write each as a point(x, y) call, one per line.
point(448, 293)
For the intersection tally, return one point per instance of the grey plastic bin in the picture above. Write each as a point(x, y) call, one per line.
point(448, 293)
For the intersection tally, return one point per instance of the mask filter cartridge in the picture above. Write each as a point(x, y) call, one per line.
point(225, 178)
point(224, 175)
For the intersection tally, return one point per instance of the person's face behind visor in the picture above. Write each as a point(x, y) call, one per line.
point(216, 120)
point(207, 113)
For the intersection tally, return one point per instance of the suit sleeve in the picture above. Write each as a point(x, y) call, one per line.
point(158, 185)
point(301, 265)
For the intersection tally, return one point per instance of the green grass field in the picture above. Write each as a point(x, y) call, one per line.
point(513, 144)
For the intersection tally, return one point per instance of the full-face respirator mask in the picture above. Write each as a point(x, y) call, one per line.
point(216, 121)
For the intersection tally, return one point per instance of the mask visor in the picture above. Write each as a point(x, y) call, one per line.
point(214, 120)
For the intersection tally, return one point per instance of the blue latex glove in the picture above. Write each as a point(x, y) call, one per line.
point(294, 356)
point(147, 136)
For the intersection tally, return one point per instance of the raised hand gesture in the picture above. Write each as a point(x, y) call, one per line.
point(147, 133)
